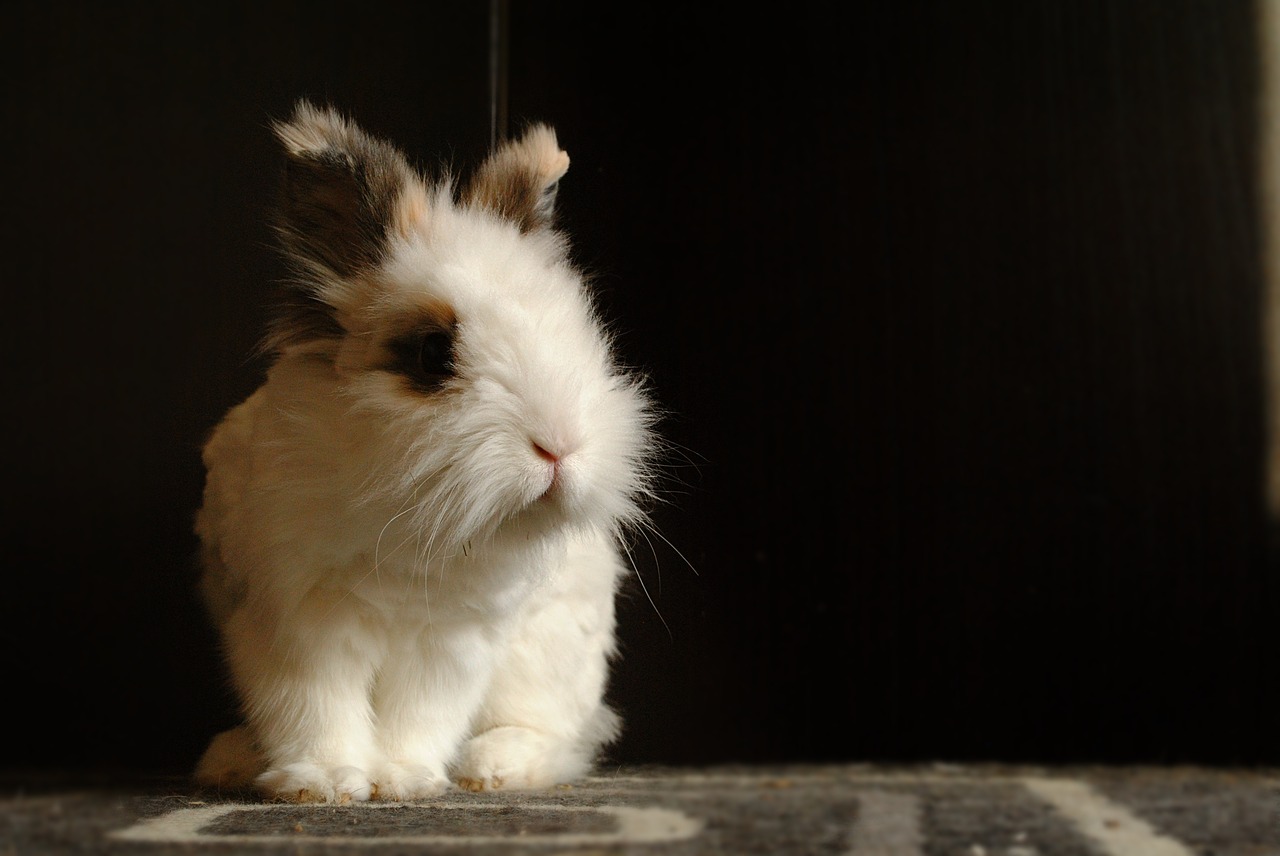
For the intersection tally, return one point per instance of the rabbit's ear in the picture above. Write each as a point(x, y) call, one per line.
point(518, 181)
point(343, 191)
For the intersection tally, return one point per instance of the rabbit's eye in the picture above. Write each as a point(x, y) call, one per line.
point(435, 358)
point(424, 357)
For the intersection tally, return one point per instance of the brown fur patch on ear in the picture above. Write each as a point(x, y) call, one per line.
point(341, 191)
point(518, 181)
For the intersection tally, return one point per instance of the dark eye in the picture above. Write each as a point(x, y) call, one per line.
point(435, 355)
point(424, 357)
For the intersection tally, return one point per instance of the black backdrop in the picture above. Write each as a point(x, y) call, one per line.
point(956, 308)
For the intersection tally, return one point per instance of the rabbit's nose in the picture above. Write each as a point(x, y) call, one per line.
point(545, 453)
point(555, 471)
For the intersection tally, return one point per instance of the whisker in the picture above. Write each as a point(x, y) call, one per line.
point(657, 563)
point(654, 529)
point(426, 572)
point(377, 562)
point(645, 589)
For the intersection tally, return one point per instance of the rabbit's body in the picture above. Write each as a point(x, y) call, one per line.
point(410, 531)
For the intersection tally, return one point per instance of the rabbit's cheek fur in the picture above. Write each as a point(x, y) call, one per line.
point(411, 532)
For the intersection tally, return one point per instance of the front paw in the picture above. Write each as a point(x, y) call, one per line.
point(402, 782)
point(311, 783)
point(510, 758)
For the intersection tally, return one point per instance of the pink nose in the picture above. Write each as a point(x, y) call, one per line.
point(545, 455)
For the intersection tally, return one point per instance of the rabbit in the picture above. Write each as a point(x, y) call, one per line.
point(413, 533)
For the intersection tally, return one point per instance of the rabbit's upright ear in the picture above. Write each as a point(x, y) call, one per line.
point(343, 191)
point(519, 180)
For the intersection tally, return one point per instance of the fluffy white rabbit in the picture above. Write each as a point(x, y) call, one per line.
point(412, 531)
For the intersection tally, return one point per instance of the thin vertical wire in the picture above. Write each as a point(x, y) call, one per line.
point(498, 17)
point(1269, 190)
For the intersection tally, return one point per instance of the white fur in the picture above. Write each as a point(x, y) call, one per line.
point(404, 598)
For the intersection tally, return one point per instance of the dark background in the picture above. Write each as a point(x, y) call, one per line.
point(956, 308)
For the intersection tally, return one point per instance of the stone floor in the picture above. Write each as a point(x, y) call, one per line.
point(856, 810)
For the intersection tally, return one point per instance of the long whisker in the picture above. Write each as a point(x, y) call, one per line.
point(645, 589)
point(657, 563)
point(425, 564)
point(647, 525)
point(377, 560)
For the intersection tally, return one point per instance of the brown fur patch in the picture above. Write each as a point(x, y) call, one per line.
point(338, 201)
point(517, 182)
point(342, 194)
point(401, 351)
point(428, 313)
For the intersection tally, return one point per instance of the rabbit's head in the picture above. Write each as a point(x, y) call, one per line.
point(470, 363)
